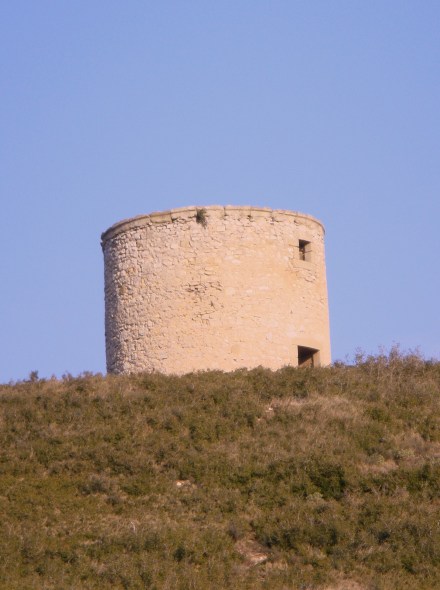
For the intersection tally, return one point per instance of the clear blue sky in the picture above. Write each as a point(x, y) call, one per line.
point(111, 109)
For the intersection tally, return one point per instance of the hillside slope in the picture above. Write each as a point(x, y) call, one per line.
point(299, 479)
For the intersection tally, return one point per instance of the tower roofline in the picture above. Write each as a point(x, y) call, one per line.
point(172, 215)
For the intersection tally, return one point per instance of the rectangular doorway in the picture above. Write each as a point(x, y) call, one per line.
point(308, 357)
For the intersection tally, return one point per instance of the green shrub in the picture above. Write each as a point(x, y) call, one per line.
point(148, 481)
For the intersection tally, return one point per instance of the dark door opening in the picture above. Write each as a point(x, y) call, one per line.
point(308, 357)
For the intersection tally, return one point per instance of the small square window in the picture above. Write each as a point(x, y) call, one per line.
point(305, 250)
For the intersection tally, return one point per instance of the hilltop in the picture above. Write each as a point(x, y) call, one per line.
point(325, 478)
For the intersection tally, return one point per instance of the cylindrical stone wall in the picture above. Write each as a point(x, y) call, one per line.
point(215, 288)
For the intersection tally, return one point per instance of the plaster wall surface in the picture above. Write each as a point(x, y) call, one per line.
point(214, 288)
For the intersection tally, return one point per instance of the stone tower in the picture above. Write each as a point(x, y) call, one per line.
point(215, 288)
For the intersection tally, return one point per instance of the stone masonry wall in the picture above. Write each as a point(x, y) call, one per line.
point(215, 288)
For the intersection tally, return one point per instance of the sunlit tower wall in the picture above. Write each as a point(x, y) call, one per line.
point(215, 288)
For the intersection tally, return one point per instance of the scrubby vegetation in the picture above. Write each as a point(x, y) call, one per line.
point(298, 479)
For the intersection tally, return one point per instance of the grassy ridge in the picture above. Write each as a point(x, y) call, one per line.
point(299, 479)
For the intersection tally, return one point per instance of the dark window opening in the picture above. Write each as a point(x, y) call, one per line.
point(305, 250)
point(308, 357)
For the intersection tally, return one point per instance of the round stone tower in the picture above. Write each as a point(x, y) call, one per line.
point(215, 288)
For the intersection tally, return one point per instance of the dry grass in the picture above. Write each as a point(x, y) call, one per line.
point(301, 479)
